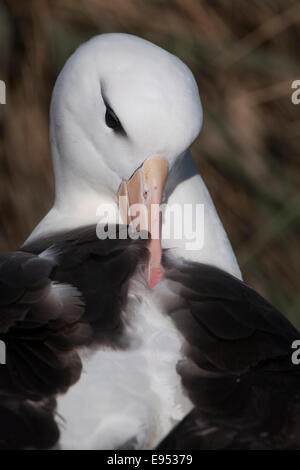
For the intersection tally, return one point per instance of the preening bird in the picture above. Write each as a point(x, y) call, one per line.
point(136, 342)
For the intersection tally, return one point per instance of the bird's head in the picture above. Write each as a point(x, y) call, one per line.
point(123, 112)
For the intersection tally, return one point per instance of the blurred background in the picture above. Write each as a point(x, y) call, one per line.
point(245, 56)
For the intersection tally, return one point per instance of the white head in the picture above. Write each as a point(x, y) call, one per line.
point(118, 102)
point(155, 98)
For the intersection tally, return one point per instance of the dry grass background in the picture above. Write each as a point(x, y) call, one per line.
point(244, 54)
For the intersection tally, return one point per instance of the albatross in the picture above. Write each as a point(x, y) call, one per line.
point(131, 341)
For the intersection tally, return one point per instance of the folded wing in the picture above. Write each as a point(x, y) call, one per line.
point(238, 370)
point(57, 294)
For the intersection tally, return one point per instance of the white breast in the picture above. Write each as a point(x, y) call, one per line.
point(129, 398)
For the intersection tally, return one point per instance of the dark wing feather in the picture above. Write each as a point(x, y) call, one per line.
point(100, 270)
point(56, 294)
point(238, 370)
point(34, 369)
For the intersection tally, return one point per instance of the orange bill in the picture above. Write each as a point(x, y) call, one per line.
point(140, 205)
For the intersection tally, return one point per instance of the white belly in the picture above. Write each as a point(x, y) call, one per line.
point(131, 396)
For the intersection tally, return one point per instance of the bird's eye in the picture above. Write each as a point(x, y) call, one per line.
point(112, 120)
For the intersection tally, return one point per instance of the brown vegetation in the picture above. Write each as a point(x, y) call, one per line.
point(244, 55)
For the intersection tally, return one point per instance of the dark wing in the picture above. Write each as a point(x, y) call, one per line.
point(40, 360)
point(238, 370)
point(56, 295)
point(101, 271)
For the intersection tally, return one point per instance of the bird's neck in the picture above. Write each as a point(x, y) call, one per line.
point(191, 227)
point(77, 202)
